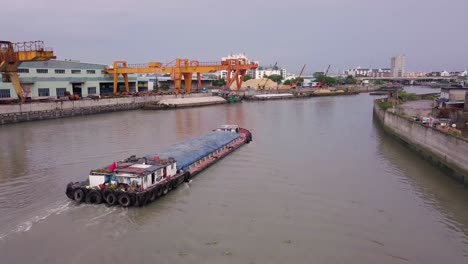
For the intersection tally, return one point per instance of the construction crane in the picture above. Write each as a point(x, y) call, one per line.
point(294, 84)
point(260, 87)
point(11, 56)
point(183, 68)
point(328, 68)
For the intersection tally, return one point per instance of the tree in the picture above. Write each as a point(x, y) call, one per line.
point(276, 78)
point(318, 74)
point(219, 82)
point(247, 77)
point(327, 80)
point(350, 80)
point(297, 80)
point(165, 86)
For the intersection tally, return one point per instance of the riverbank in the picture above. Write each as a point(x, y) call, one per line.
point(61, 109)
point(300, 94)
point(447, 152)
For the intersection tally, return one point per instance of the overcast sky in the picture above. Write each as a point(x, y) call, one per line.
point(344, 33)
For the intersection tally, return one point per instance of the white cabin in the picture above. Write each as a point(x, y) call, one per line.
point(141, 175)
point(228, 128)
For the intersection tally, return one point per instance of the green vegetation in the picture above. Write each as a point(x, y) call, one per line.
point(247, 77)
point(220, 82)
point(405, 96)
point(454, 133)
point(299, 81)
point(276, 78)
point(350, 80)
point(379, 82)
point(385, 105)
point(327, 80)
point(330, 81)
point(165, 86)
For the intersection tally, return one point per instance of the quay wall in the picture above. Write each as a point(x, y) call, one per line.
point(57, 109)
point(445, 151)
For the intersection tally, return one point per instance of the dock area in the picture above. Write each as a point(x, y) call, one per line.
point(279, 96)
point(302, 93)
point(180, 102)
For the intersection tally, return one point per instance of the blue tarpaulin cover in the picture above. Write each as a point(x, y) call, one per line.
point(196, 148)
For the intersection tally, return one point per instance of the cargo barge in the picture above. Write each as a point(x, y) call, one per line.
point(139, 181)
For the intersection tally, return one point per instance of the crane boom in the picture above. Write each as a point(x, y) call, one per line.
point(294, 84)
point(328, 68)
point(266, 79)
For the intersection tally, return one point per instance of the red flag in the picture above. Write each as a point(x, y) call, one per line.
point(156, 158)
point(113, 166)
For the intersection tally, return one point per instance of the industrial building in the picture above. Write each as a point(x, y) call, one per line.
point(53, 78)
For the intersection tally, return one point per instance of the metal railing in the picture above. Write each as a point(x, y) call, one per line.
point(30, 46)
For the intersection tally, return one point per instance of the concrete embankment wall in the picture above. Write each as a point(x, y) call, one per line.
point(445, 151)
point(49, 110)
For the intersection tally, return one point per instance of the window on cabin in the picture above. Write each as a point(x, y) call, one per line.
point(152, 178)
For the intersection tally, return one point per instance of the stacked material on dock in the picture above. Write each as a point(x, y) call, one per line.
point(196, 148)
point(186, 102)
point(272, 96)
point(263, 84)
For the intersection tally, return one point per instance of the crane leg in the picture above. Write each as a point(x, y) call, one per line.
point(177, 82)
point(234, 78)
point(116, 81)
point(127, 86)
point(188, 82)
point(17, 85)
point(199, 81)
point(228, 79)
point(241, 79)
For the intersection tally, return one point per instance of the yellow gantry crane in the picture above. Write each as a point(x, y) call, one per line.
point(184, 68)
point(12, 54)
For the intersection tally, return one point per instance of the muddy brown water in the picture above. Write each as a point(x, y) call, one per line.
point(320, 183)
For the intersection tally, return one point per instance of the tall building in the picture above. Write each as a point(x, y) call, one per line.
point(398, 65)
point(260, 72)
point(223, 74)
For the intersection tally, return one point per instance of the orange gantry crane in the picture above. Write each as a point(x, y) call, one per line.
point(184, 68)
point(12, 54)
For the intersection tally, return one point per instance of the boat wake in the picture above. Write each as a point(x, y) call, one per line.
point(27, 225)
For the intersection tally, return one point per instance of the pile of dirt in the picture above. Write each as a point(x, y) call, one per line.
point(256, 84)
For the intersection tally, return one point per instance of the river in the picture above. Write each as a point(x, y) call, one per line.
point(320, 183)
